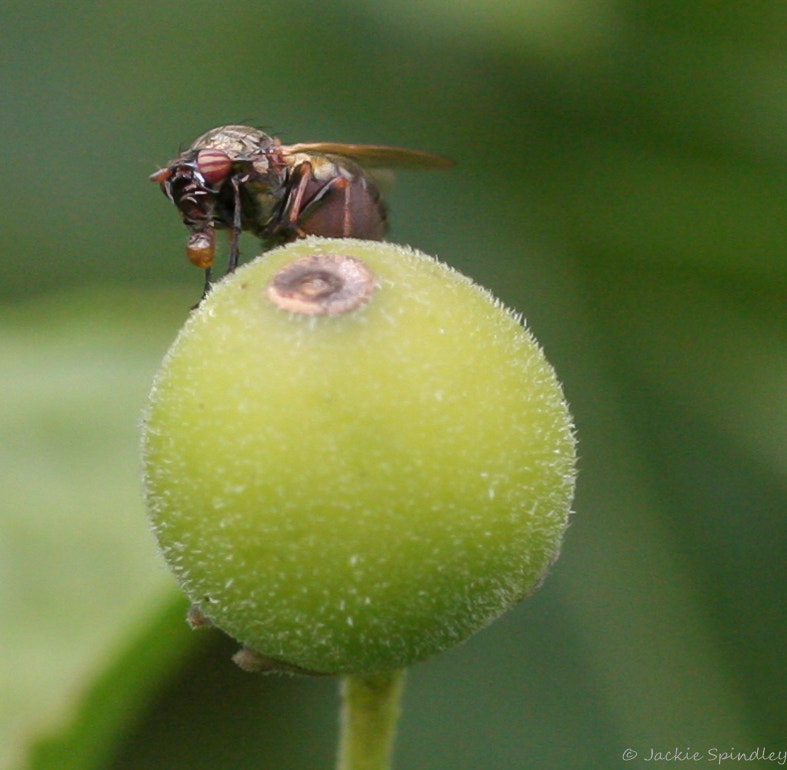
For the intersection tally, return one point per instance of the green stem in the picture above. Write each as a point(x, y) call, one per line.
point(369, 712)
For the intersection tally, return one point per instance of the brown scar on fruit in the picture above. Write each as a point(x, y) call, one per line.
point(322, 284)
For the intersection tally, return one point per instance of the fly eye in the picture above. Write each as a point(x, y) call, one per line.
point(214, 165)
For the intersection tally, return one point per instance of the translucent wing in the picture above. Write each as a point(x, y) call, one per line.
point(373, 155)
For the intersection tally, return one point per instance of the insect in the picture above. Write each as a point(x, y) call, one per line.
point(240, 179)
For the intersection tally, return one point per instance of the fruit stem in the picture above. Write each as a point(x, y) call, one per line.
point(369, 712)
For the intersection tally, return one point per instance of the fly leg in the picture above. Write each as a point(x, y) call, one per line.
point(293, 205)
point(306, 197)
point(343, 225)
point(206, 285)
point(232, 263)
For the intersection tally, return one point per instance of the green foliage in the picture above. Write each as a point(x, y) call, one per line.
point(119, 694)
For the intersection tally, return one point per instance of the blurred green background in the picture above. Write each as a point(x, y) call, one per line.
point(621, 179)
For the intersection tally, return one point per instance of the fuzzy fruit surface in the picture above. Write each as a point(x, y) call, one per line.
point(356, 492)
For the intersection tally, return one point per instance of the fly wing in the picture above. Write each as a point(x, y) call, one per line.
point(373, 155)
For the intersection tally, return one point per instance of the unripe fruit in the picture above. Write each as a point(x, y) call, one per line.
point(355, 457)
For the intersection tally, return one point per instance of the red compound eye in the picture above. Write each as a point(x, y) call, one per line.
point(214, 165)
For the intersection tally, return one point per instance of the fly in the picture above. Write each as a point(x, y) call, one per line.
point(240, 179)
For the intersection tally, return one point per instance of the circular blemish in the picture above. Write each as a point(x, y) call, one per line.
point(322, 284)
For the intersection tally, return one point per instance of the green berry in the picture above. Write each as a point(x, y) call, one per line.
point(355, 458)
